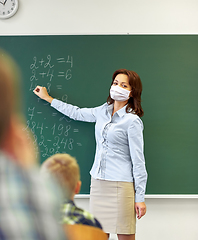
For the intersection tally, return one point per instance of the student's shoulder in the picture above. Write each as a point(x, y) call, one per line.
point(89, 219)
point(84, 213)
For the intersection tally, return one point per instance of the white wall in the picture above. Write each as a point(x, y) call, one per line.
point(166, 218)
point(103, 16)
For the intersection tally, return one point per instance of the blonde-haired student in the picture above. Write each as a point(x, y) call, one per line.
point(65, 171)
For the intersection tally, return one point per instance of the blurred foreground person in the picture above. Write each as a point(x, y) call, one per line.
point(28, 210)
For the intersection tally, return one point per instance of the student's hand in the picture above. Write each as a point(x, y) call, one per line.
point(140, 208)
point(43, 94)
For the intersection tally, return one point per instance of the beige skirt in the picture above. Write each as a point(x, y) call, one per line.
point(113, 204)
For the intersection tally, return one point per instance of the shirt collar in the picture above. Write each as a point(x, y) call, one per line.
point(120, 112)
point(69, 201)
point(110, 108)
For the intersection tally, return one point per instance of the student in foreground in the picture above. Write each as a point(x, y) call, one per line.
point(65, 171)
point(28, 210)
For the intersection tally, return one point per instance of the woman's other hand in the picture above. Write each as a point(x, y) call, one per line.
point(140, 208)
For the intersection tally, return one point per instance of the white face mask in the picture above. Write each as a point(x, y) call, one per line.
point(119, 94)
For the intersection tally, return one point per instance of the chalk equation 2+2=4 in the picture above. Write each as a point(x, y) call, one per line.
point(53, 133)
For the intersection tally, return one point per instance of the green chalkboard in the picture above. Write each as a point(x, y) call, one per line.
point(78, 70)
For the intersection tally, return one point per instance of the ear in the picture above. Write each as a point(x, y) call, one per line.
point(130, 94)
point(78, 186)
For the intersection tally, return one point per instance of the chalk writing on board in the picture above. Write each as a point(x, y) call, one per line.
point(56, 134)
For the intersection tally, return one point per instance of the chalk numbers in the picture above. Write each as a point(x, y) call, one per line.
point(52, 134)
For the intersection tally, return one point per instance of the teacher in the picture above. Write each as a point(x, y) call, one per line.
point(118, 174)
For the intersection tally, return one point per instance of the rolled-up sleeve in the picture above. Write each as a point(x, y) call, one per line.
point(136, 146)
point(74, 112)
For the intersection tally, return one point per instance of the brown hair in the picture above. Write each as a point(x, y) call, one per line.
point(134, 102)
point(9, 97)
point(65, 170)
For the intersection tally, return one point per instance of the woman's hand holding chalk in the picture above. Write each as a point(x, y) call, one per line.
point(42, 93)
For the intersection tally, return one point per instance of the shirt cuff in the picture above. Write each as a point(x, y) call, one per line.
point(54, 102)
point(139, 198)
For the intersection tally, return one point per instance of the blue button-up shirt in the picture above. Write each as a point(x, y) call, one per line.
point(119, 144)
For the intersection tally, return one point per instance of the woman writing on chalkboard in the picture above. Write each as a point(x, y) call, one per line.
point(118, 174)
